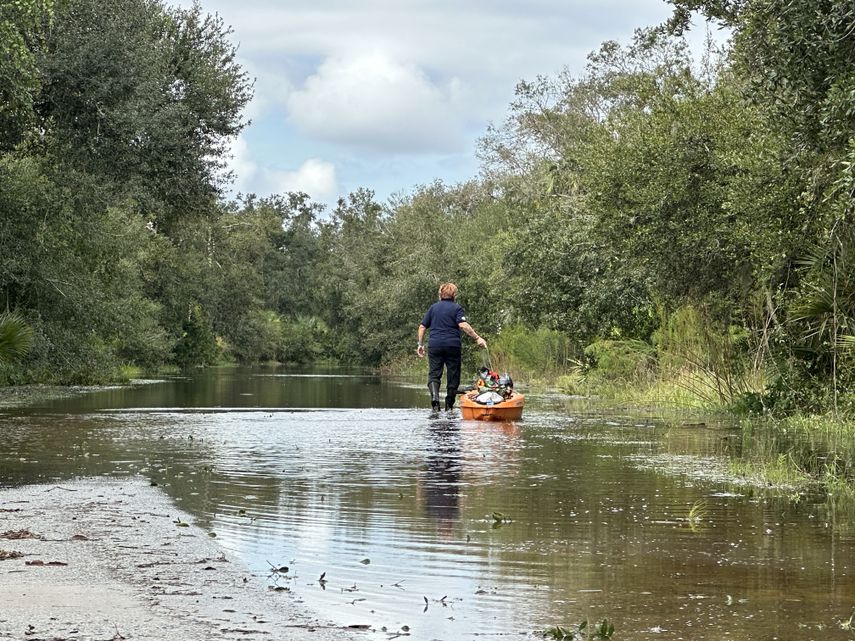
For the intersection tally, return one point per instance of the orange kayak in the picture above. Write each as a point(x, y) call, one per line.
point(508, 410)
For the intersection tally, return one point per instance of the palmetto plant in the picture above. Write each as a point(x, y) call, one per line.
point(826, 306)
point(15, 337)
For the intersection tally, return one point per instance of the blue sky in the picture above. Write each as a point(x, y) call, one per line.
point(392, 94)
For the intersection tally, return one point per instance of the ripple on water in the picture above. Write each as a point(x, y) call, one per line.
point(519, 526)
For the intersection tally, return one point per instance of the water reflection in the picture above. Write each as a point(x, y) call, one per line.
point(593, 529)
point(442, 478)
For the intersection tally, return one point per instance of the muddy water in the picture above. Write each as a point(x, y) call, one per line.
point(457, 529)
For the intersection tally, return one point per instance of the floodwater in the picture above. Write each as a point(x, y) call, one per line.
point(451, 529)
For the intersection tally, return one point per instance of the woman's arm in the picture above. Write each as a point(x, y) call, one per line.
point(466, 327)
point(420, 350)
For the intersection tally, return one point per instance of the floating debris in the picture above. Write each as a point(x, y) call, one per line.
point(19, 534)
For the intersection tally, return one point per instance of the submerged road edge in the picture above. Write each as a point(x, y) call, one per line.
point(111, 562)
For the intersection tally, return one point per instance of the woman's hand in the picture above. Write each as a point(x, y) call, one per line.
point(481, 342)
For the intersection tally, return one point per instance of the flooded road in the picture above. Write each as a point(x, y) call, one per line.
point(451, 529)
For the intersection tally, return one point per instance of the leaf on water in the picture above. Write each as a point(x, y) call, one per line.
point(425, 598)
point(365, 561)
point(10, 554)
point(323, 574)
point(213, 535)
point(182, 524)
point(405, 628)
point(282, 569)
point(241, 512)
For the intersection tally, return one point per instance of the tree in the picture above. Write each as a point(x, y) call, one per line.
point(23, 25)
point(145, 97)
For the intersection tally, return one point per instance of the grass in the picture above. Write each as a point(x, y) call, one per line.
point(677, 389)
point(777, 471)
point(800, 451)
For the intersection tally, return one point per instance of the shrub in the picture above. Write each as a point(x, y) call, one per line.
point(623, 360)
point(531, 354)
point(303, 340)
point(197, 344)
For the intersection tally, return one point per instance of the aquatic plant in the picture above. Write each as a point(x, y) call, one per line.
point(582, 632)
point(697, 513)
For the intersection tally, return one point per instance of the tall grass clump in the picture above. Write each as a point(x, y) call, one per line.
point(708, 358)
point(816, 449)
point(691, 360)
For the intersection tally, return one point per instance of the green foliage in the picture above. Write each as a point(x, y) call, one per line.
point(197, 344)
point(825, 306)
point(798, 58)
point(23, 26)
point(715, 354)
point(130, 108)
point(629, 361)
point(258, 337)
point(303, 340)
point(15, 337)
point(530, 354)
point(698, 243)
point(146, 97)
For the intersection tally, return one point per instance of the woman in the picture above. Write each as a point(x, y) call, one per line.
point(444, 319)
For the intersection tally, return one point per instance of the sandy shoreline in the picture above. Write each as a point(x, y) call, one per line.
point(110, 563)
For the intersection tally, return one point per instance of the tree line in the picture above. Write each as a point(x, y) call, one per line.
point(653, 216)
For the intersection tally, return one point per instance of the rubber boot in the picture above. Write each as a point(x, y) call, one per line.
point(449, 400)
point(433, 386)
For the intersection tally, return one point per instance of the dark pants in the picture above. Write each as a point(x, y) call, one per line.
point(450, 358)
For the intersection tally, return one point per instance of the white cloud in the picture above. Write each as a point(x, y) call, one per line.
point(241, 164)
point(314, 176)
point(271, 87)
point(362, 82)
point(375, 102)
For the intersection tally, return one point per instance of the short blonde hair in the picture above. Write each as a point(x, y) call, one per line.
point(447, 291)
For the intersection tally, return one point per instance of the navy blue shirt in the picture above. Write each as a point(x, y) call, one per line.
point(442, 319)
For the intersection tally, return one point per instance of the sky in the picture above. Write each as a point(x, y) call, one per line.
point(392, 94)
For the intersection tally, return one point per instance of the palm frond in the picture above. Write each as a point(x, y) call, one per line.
point(16, 336)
